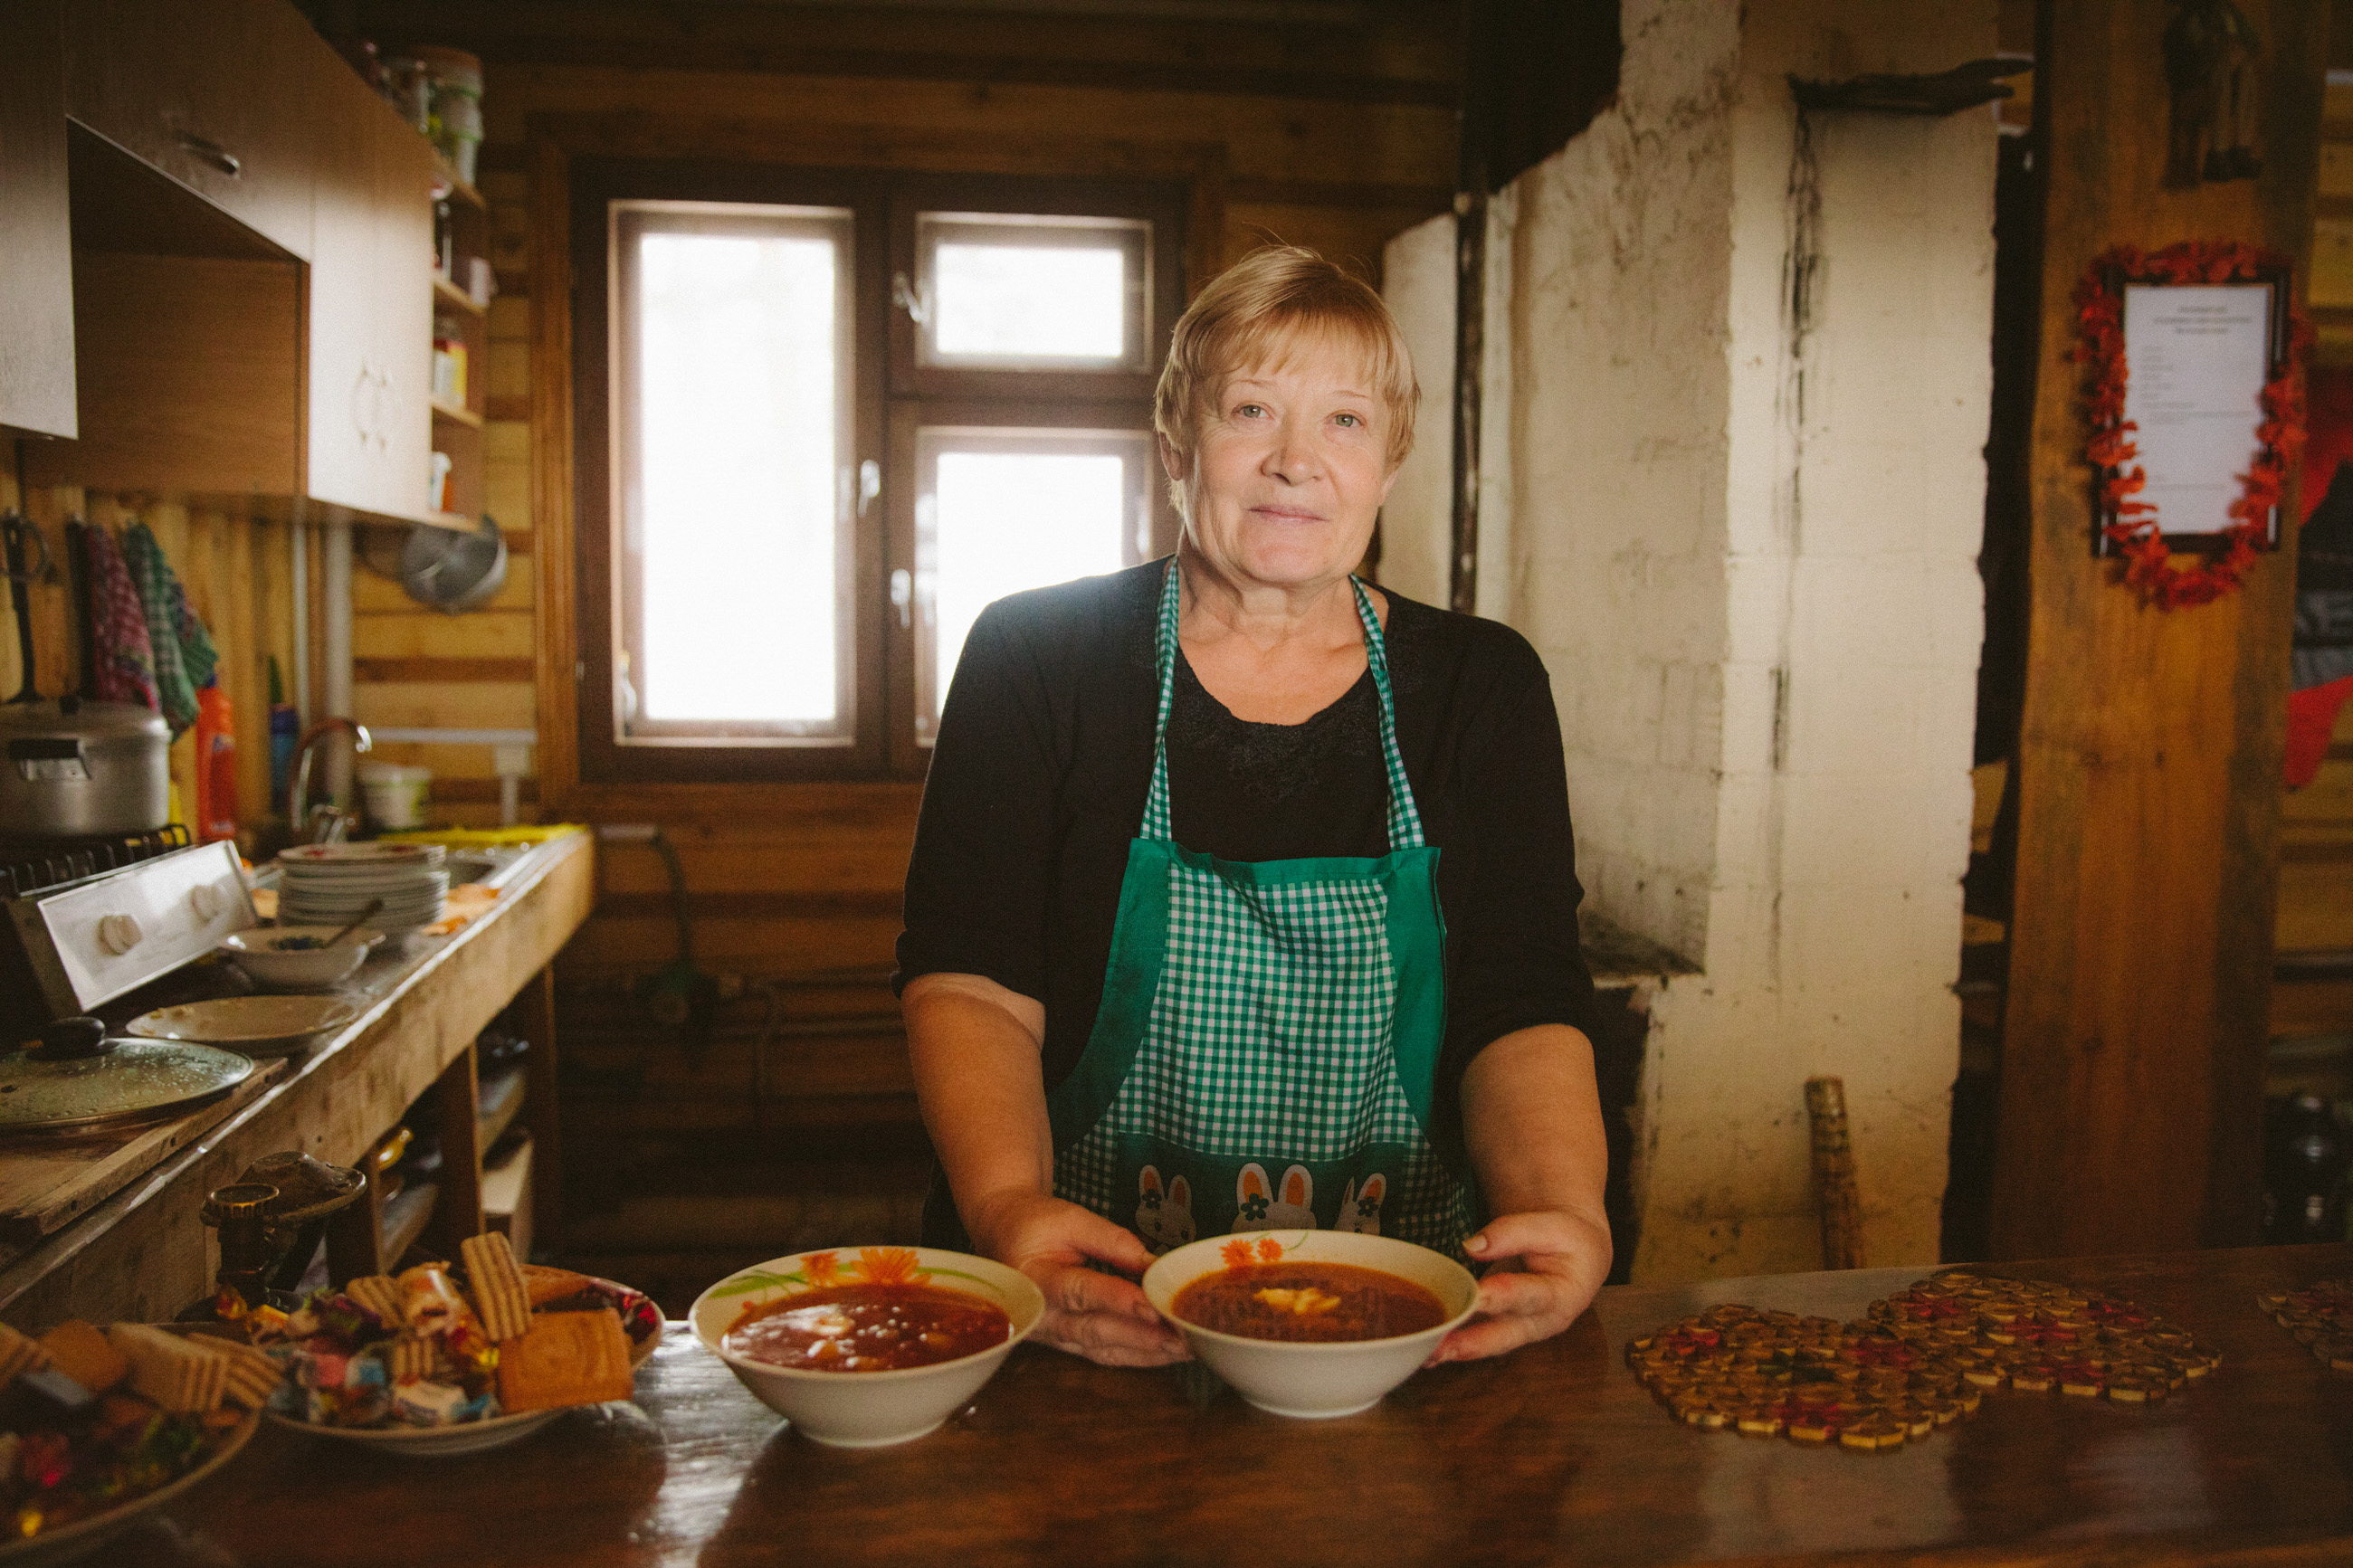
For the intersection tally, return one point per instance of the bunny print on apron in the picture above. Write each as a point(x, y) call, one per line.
point(1266, 1052)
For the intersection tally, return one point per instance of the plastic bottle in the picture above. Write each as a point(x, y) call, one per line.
point(215, 766)
point(285, 729)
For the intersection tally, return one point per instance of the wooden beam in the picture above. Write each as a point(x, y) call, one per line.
point(428, 668)
point(1409, 64)
point(2150, 749)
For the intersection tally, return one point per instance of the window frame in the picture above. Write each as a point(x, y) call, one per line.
point(890, 392)
point(667, 216)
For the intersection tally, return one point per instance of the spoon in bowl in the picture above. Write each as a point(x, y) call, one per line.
point(373, 905)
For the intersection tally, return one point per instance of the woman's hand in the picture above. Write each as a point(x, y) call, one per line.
point(1548, 1266)
point(1087, 1313)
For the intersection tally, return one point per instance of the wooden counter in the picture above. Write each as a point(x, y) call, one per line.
point(144, 1253)
point(1552, 1455)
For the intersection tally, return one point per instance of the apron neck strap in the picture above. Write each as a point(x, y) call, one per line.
point(1404, 818)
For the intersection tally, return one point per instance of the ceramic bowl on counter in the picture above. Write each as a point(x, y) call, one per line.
point(866, 1409)
point(297, 958)
point(1289, 1377)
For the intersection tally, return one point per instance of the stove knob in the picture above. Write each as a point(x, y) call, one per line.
point(205, 899)
point(119, 934)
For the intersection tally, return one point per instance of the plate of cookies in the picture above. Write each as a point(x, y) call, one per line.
point(98, 1425)
point(443, 1359)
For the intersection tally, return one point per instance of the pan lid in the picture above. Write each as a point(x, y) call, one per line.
point(77, 1080)
point(72, 719)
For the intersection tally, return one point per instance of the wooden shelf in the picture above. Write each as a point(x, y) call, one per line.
point(456, 298)
point(457, 416)
point(404, 1219)
point(497, 1103)
point(446, 174)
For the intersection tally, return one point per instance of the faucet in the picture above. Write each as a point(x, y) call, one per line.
point(325, 822)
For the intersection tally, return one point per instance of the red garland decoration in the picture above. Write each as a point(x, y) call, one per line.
point(2136, 531)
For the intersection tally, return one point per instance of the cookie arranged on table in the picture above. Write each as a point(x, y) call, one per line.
point(2320, 1318)
point(1918, 1359)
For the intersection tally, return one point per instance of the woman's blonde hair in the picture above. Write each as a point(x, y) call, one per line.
point(1254, 313)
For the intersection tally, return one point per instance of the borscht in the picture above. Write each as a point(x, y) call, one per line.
point(1315, 1304)
point(867, 1327)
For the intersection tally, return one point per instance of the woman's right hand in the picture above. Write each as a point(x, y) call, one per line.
point(1087, 1313)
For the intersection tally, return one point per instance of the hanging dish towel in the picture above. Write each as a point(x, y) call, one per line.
point(184, 653)
point(118, 627)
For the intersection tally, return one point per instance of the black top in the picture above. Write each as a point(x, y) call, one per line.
point(1044, 758)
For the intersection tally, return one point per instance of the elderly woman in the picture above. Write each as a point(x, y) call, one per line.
point(1243, 895)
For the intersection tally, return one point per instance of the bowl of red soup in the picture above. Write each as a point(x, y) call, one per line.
point(863, 1346)
point(1311, 1323)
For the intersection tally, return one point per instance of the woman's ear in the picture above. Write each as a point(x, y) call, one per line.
point(1178, 465)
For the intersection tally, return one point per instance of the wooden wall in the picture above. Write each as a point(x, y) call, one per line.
point(1331, 136)
point(236, 568)
point(2150, 756)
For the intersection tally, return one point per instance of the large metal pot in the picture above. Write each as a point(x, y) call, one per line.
point(69, 767)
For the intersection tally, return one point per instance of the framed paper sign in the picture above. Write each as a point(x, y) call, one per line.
point(2196, 411)
point(2199, 357)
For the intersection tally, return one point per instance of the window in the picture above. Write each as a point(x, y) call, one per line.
point(823, 420)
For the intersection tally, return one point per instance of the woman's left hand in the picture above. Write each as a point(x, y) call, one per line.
point(1549, 1264)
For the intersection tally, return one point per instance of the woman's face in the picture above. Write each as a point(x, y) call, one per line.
point(1291, 468)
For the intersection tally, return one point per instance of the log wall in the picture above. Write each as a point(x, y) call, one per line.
point(1331, 136)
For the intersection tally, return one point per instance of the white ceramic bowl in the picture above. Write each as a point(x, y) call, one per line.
point(299, 969)
point(1314, 1381)
point(867, 1409)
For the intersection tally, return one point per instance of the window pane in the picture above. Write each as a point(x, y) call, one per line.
point(997, 511)
point(1019, 299)
point(1032, 292)
point(734, 407)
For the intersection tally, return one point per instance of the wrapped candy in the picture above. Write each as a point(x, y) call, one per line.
point(319, 1362)
point(268, 1326)
point(429, 1404)
point(432, 1303)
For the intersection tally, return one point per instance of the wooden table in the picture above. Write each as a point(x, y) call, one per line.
point(1552, 1455)
point(142, 1252)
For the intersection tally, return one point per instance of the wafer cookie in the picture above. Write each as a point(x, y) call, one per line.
point(251, 1375)
point(169, 1369)
point(380, 1294)
point(501, 1299)
point(412, 1359)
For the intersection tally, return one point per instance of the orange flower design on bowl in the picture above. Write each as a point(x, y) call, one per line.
point(890, 1266)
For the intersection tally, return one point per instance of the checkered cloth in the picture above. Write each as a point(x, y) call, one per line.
point(117, 623)
point(182, 649)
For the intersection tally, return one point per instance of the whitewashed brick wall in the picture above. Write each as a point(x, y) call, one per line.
point(1746, 552)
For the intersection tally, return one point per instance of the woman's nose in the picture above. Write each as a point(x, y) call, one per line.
point(1291, 457)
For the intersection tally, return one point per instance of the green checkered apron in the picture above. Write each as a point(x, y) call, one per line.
point(1267, 1047)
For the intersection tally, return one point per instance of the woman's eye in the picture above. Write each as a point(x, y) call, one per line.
point(1350, 420)
point(1249, 411)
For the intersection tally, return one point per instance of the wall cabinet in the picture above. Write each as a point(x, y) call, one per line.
point(369, 434)
point(223, 146)
point(37, 349)
point(214, 93)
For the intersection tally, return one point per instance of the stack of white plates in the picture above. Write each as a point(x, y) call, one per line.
point(332, 884)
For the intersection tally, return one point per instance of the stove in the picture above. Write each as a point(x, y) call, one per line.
point(87, 920)
point(29, 865)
